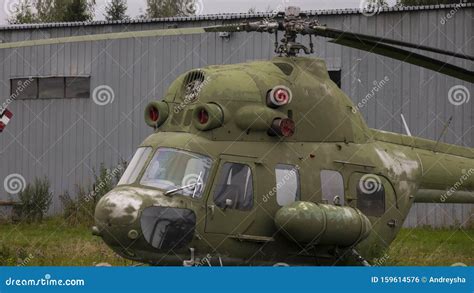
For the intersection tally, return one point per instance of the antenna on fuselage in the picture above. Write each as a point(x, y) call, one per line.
point(407, 130)
point(446, 125)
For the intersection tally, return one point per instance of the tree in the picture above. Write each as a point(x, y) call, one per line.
point(43, 11)
point(116, 10)
point(23, 13)
point(50, 10)
point(169, 8)
point(377, 3)
point(78, 10)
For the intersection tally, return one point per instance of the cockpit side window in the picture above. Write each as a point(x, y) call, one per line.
point(136, 165)
point(287, 184)
point(371, 198)
point(235, 187)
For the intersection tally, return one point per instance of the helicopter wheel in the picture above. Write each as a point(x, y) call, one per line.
point(281, 264)
point(103, 264)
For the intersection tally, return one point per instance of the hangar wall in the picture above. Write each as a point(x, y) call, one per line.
point(66, 139)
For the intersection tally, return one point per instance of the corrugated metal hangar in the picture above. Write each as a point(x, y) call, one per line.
point(78, 105)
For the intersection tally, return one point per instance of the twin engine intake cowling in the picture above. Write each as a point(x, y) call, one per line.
point(268, 113)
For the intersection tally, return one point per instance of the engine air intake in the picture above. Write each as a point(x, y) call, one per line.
point(156, 113)
point(208, 117)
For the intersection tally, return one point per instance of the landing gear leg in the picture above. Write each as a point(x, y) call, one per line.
point(191, 262)
point(359, 258)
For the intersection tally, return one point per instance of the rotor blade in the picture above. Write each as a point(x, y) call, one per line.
point(409, 57)
point(227, 28)
point(111, 36)
point(338, 34)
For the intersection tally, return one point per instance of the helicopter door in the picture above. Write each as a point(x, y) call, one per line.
point(230, 205)
point(332, 187)
point(375, 197)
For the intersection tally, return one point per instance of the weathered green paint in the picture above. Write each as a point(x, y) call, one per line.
point(322, 224)
point(330, 135)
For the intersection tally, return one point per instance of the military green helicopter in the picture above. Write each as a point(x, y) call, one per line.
point(270, 163)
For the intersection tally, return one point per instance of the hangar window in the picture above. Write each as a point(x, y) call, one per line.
point(235, 187)
point(287, 184)
point(335, 76)
point(51, 88)
point(58, 87)
point(24, 88)
point(77, 87)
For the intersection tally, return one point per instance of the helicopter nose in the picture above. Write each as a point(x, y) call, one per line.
point(168, 228)
point(125, 214)
point(118, 208)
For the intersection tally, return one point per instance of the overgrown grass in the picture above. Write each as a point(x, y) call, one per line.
point(432, 247)
point(55, 243)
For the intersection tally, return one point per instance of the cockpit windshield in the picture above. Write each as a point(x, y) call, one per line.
point(177, 171)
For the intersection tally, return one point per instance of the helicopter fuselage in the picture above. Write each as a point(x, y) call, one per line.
point(207, 186)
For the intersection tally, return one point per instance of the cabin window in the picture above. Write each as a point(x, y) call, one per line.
point(287, 184)
point(58, 87)
point(235, 187)
point(371, 198)
point(136, 165)
point(332, 187)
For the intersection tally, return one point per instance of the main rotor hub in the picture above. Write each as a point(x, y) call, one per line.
point(293, 23)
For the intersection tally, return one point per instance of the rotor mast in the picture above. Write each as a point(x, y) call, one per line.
point(293, 23)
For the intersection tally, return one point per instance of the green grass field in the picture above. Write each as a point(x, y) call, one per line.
point(53, 243)
point(428, 247)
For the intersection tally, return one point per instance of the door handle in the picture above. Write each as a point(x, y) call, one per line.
point(392, 223)
point(211, 208)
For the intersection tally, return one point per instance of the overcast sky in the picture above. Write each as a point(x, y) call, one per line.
point(214, 6)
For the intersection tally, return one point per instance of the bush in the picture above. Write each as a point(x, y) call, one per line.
point(6, 255)
point(35, 200)
point(80, 208)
